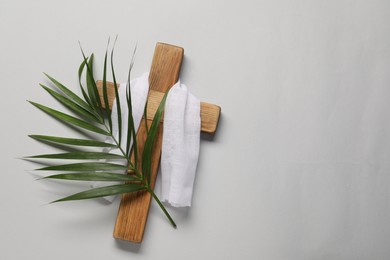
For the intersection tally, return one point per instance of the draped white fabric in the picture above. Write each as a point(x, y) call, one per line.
point(180, 148)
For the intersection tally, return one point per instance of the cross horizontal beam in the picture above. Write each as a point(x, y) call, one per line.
point(209, 113)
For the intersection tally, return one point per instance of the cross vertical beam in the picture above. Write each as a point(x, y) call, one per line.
point(134, 207)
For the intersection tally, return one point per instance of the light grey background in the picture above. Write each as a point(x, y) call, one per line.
point(299, 168)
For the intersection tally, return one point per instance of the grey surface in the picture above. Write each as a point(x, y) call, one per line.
point(299, 168)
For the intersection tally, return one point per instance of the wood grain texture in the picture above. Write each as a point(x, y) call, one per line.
point(209, 113)
point(134, 208)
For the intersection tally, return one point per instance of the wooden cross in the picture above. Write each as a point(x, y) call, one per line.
point(164, 73)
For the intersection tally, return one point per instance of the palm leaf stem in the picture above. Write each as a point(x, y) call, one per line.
point(150, 190)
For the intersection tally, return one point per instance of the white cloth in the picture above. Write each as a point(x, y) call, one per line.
point(180, 147)
point(181, 138)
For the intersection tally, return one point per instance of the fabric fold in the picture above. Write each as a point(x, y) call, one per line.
point(180, 146)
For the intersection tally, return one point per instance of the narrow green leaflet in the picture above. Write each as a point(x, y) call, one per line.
point(70, 94)
point(80, 72)
point(71, 141)
point(91, 81)
point(130, 122)
point(91, 84)
point(132, 134)
point(80, 156)
point(71, 105)
point(146, 117)
point(131, 111)
point(93, 176)
point(131, 128)
point(103, 191)
point(105, 95)
point(92, 166)
point(148, 148)
point(118, 103)
point(70, 119)
point(161, 206)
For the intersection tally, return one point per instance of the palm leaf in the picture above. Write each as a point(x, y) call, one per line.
point(91, 84)
point(92, 166)
point(70, 94)
point(93, 176)
point(118, 103)
point(103, 192)
point(131, 129)
point(71, 105)
point(92, 110)
point(148, 148)
point(71, 141)
point(130, 121)
point(80, 72)
point(105, 96)
point(146, 117)
point(80, 155)
point(70, 119)
point(90, 81)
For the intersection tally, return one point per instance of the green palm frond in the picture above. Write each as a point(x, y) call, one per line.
point(105, 95)
point(88, 114)
point(131, 130)
point(71, 95)
point(88, 166)
point(71, 141)
point(93, 176)
point(80, 73)
point(72, 105)
point(81, 156)
point(104, 191)
point(68, 119)
point(118, 103)
point(149, 143)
